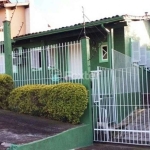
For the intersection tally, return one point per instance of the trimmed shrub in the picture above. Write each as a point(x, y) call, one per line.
point(6, 86)
point(25, 99)
point(65, 101)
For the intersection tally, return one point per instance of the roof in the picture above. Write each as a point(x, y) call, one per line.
point(80, 26)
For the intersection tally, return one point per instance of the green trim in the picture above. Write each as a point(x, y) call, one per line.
point(70, 28)
point(71, 139)
point(101, 60)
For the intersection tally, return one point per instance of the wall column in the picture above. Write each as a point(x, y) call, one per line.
point(8, 49)
point(87, 117)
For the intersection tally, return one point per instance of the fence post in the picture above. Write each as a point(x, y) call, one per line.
point(8, 48)
point(87, 117)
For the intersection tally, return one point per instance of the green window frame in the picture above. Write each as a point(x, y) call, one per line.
point(103, 53)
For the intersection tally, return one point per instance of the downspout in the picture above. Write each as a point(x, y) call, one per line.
point(110, 46)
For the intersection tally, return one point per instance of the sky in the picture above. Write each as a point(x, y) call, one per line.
point(61, 13)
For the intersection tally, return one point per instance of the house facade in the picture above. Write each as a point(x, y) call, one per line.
point(123, 34)
point(117, 67)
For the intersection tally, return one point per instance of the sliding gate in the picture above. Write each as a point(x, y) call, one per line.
point(121, 111)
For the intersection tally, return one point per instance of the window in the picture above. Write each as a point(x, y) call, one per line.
point(75, 61)
point(51, 58)
point(103, 53)
point(36, 59)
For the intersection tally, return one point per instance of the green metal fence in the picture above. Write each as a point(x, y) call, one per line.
point(49, 64)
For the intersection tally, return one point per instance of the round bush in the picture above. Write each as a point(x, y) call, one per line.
point(66, 101)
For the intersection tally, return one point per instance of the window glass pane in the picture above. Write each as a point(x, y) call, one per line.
point(40, 60)
point(105, 56)
point(51, 58)
point(104, 52)
point(36, 61)
point(75, 61)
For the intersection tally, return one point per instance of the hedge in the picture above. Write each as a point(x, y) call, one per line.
point(6, 86)
point(25, 99)
point(65, 101)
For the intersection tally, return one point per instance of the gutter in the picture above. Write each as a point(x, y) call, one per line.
point(110, 46)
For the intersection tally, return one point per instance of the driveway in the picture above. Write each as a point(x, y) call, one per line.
point(19, 129)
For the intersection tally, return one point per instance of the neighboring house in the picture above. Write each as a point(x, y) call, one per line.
point(22, 16)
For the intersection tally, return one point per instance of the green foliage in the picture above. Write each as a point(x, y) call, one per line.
point(25, 99)
point(6, 86)
point(65, 101)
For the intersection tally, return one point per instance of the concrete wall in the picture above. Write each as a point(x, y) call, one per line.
point(2, 16)
point(16, 22)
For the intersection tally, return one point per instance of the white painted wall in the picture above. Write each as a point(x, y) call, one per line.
point(27, 18)
point(35, 21)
